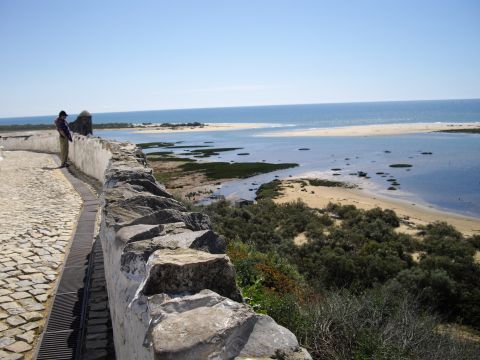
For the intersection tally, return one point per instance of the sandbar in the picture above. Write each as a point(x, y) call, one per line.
point(203, 127)
point(375, 130)
point(411, 215)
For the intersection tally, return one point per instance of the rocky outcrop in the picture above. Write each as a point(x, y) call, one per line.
point(171, 288)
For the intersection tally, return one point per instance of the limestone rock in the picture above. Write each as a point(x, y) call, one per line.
point(209, 326)
point(133, 233)
point(133, 208)
point(268, 338)
point(161, 306)
point(145, 185)
point(116, 174)
point(205, 240)
point(203, 332)
point(175, 271)
point(136, 254)
point(193, 221)
point(140, 232)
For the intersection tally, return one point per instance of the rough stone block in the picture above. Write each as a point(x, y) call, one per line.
point(136, 254)
point(124, 211)
point(207, 325)
point(192, 221)
point(202, 333)
point(144, 185)
point(174, 271)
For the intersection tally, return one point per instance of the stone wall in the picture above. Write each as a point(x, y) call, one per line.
point(89, 154)
point(171, 288)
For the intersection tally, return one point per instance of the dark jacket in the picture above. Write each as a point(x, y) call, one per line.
point(62, 125)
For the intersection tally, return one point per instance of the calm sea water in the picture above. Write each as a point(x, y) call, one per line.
point(448, 179)
point(299, 115)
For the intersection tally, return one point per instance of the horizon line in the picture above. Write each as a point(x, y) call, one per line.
point(250, 106)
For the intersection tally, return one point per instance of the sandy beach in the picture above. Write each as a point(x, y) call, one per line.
point(412, 215)
point(203, 127)
point(375, 130)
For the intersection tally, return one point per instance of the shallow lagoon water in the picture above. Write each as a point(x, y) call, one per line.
point(448, 179)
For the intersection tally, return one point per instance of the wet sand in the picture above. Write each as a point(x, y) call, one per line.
point(375, 130)
point(411, 215)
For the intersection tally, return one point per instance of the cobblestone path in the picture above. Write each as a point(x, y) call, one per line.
point(38, 213)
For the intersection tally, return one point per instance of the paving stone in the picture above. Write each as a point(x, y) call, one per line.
point(32, 316)
point(15, 320)
point(41, 286)
point(31, 305)
point(5, 341)
point(37, 291)
point(31, 326)
point(28, 337)
point(42, 298)
point(12, 332)
point(20, 295)
point(18, 347)
point(12, 308)
point(4, 299)
point(3, 326)
point(36, 228)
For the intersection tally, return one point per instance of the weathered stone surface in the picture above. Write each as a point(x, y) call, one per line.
point(28, 337)
point(193, 221)
point(144, 185)
point(174, 271)
point(203, 332)
point(268, 338)
point(126, 172)
point(11, 356)
point(137, 253)
point(127, 210)
point(3, 327)
point(207, 325)
point(38, 212)
point(5, 341)
point(133, 233)
point(18, 347)
point(15, 320)
point(32, 316)
point(212, 326)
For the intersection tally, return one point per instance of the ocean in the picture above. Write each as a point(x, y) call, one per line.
point(447, 179)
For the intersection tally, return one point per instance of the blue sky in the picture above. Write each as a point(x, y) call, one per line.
point(107, 56)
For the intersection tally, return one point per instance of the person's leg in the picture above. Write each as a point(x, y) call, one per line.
point(63, 150)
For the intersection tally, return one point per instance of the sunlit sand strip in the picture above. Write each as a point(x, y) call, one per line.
point(206, 127)
point(375, 130)
point(416, 214)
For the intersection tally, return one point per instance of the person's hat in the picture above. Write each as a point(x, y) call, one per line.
point(62, 113)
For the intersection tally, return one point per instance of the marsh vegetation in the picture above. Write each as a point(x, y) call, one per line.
point(356, 288)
